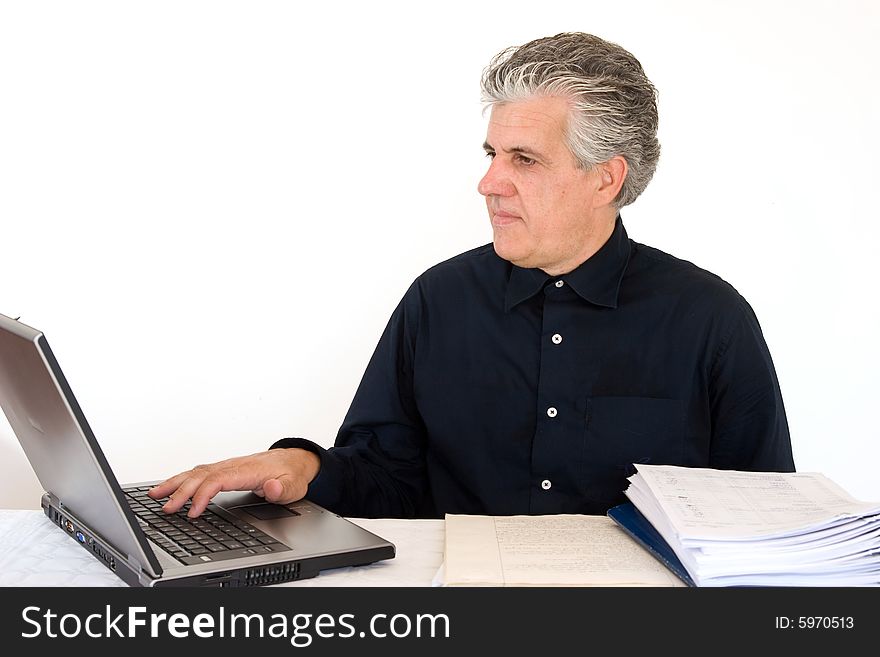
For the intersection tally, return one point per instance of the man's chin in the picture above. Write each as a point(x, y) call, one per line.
point(510, 252)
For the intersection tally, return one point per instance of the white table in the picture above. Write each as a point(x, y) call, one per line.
point(34, 552)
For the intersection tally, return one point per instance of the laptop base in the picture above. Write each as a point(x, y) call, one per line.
point(277, 573)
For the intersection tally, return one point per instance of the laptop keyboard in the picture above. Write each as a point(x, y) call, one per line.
point(214, 536)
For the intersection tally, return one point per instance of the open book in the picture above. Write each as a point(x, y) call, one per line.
point(733, 528)
point(554, 550)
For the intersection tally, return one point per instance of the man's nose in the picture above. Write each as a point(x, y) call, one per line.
point(496, 182)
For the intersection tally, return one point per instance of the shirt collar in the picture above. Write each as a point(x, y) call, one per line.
point(596, 280)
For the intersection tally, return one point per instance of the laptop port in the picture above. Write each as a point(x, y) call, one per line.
point(68, 525)
point(80, 537)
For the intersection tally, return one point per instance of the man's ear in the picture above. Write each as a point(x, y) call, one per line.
point(610, 177)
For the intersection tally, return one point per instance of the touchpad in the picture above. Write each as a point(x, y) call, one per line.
point(268, 511)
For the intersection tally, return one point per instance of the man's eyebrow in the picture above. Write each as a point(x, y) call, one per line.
point(514, 149)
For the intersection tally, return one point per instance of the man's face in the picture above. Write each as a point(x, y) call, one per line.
point(540, 203)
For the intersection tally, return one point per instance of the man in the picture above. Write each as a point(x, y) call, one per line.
point(529, 375)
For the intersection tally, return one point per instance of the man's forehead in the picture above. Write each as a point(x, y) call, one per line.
point(543, 119)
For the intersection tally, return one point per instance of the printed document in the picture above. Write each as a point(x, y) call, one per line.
point(734, 528)
point(702, 503)
point(555, 550)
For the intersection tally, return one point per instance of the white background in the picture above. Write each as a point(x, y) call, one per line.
point(211, 208)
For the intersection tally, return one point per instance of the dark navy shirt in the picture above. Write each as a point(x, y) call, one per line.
point(500, 390)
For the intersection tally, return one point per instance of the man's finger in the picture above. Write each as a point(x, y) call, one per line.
point(183, 492)
point(282, 490)
point(236, 475)
point(202, 496)
point(165, 488)
point(273, 490)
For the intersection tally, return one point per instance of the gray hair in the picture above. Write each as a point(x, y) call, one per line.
point(613, 103)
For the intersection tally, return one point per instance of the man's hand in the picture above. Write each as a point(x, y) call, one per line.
point(278, 475)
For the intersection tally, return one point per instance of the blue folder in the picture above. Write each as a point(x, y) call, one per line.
point(630, 519)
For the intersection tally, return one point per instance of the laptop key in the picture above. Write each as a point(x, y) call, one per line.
point(241, 524)
point(220, 556)
point(257, 534)
point(211, 537)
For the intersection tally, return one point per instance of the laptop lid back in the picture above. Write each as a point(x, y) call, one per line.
point(59, 443)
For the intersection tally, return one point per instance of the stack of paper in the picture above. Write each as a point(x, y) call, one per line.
point(732, 528)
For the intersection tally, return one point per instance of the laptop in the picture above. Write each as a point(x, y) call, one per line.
point(240, 540)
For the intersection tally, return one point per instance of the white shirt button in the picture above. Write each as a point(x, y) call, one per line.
point(551, 412)
point(559, 283)
point(556, 339)
point(546, 484)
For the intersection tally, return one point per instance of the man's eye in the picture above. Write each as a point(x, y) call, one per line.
point(525, 160)
point(490, 154)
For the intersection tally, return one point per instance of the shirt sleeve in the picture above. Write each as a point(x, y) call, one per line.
point(376, 467)
point(749, 425)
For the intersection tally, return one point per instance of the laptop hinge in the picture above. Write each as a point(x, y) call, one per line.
point(134, 563)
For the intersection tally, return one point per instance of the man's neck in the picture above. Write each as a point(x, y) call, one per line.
point(597, 239)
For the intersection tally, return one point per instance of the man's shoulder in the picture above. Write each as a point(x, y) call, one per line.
point(458, 280)
point(666, 273)
point(479, 263)
point(479, 256)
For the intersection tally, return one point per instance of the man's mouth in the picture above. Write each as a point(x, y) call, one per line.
point(503, 218)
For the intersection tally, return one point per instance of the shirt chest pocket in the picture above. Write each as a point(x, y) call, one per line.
point(620, 431)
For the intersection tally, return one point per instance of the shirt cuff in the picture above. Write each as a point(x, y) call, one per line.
point(326, 488)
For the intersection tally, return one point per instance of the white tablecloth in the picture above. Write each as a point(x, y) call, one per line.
point(34, 552)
